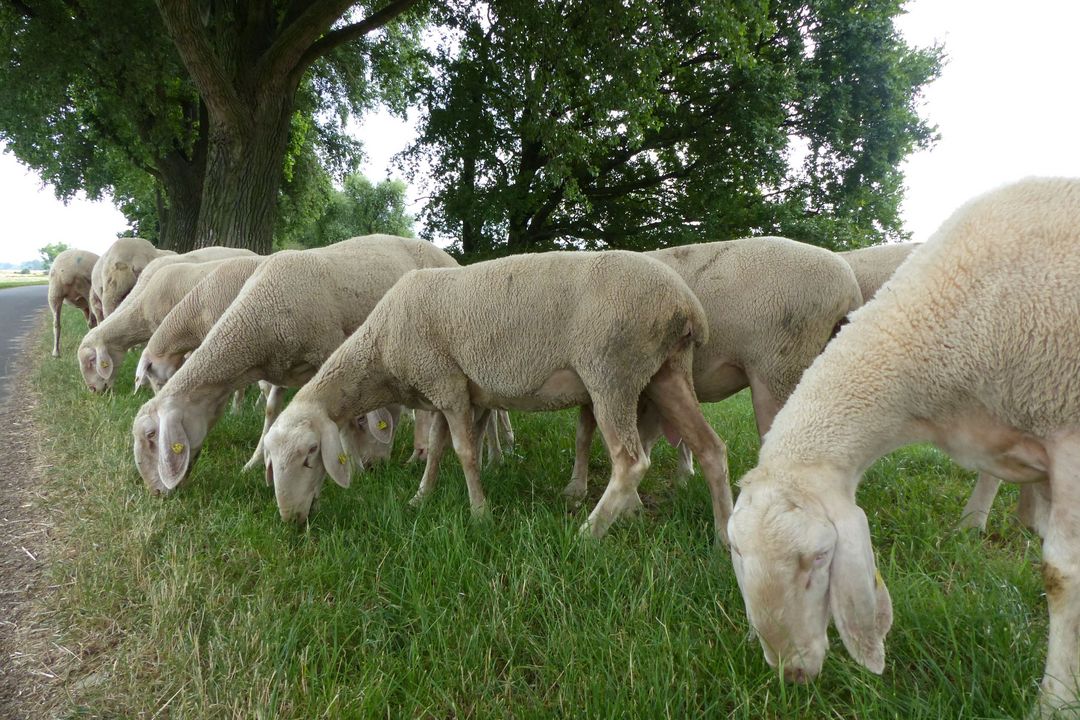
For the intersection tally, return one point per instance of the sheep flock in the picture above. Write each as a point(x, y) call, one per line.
point(967, 341)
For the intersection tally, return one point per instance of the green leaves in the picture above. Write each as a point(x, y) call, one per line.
point(636, 124)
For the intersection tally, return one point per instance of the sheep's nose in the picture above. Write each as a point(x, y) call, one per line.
point(795, 675)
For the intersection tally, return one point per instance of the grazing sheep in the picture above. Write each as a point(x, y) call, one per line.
point(69, 279)
point(527, 332)
point(188, 323)
point(295, 310)
point(772, 305)
point(875, 265)
point(974, 349)
point(120, 267)
point(157, 290)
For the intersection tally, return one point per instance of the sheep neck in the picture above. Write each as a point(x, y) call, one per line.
point(852, 406)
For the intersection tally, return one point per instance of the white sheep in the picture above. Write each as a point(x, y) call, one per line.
point(118, 269)
point(873, 266)
point(528, 332)
point(157, 290)
point(69, 279)
point(293, 311)
point(772, 305)
point(189, 321)
point(971, 346)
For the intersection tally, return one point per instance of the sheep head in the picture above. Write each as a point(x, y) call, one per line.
point(800, 557)
point(98, 363)
point(168, 435)
point(301, 447)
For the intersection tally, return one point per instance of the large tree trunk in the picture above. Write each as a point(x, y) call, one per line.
point(181, 215)
point(243, 173)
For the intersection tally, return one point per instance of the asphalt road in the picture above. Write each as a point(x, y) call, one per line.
point(19, 310)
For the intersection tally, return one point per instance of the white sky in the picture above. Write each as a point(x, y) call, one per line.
point(1006, 106)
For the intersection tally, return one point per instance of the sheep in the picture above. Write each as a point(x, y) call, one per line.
point(772, 305)
point(971, 346)
point(293, 311)
point(189, 321)
point(527, 332)
point(69, 279)
point(499, 421)
point(96, 311)
point(120, 266)
point(873, 266)
point(154, 295)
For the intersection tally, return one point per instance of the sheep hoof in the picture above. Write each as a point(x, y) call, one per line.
point(255, 461)
point(973, 521)
point(480, 512)
point(575, 490)
point(417, 499)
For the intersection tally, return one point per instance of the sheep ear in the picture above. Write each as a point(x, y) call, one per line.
point(269, 470)
point(143, 367)
point(334, 457)
point(174, 452)
point(380, 423)
point(860, 602)
point(103, 362)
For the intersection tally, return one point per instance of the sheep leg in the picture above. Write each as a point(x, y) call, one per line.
point(437, 436)
point(273, 407)
point(672, 390)
point(238, 400)
point(56, 304)
point(1034, 506)
point(651, 428)
point(618, 425)
point(1061, 578)
point(463, 427)
point(977, 509)
point(579, 476)
point(503, 418)
point(489, 431)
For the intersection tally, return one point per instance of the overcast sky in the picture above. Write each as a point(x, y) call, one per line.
point(1006, 106)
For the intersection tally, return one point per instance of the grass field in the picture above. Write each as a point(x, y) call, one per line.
point(205, 605)
point(16, 280)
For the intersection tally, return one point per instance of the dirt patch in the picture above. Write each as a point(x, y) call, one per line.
point(31, 657)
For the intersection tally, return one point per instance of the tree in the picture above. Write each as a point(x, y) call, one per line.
point(359, 208)
point(681, 125)
point(93, 106)
point(49, 253)
point(247, 58)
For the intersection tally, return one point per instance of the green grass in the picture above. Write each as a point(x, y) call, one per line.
point(204, 604)
point(15, 282)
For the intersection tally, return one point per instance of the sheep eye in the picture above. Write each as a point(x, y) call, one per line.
point(152, 435)
point(313, 449)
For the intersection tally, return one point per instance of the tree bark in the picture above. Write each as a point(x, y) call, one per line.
point(247, 62)
point(243, 174)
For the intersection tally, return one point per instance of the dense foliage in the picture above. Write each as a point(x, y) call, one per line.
point(631, 123)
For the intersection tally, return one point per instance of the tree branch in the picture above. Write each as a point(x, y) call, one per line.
point(186, 29)
point(352, 32)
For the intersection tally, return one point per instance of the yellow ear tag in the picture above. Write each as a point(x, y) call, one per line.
point(104, 363)
point(381, 425)
point(878, 582)
point(178, 448)
point(342, 458)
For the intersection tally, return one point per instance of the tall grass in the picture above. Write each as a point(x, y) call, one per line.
point(204, 604)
